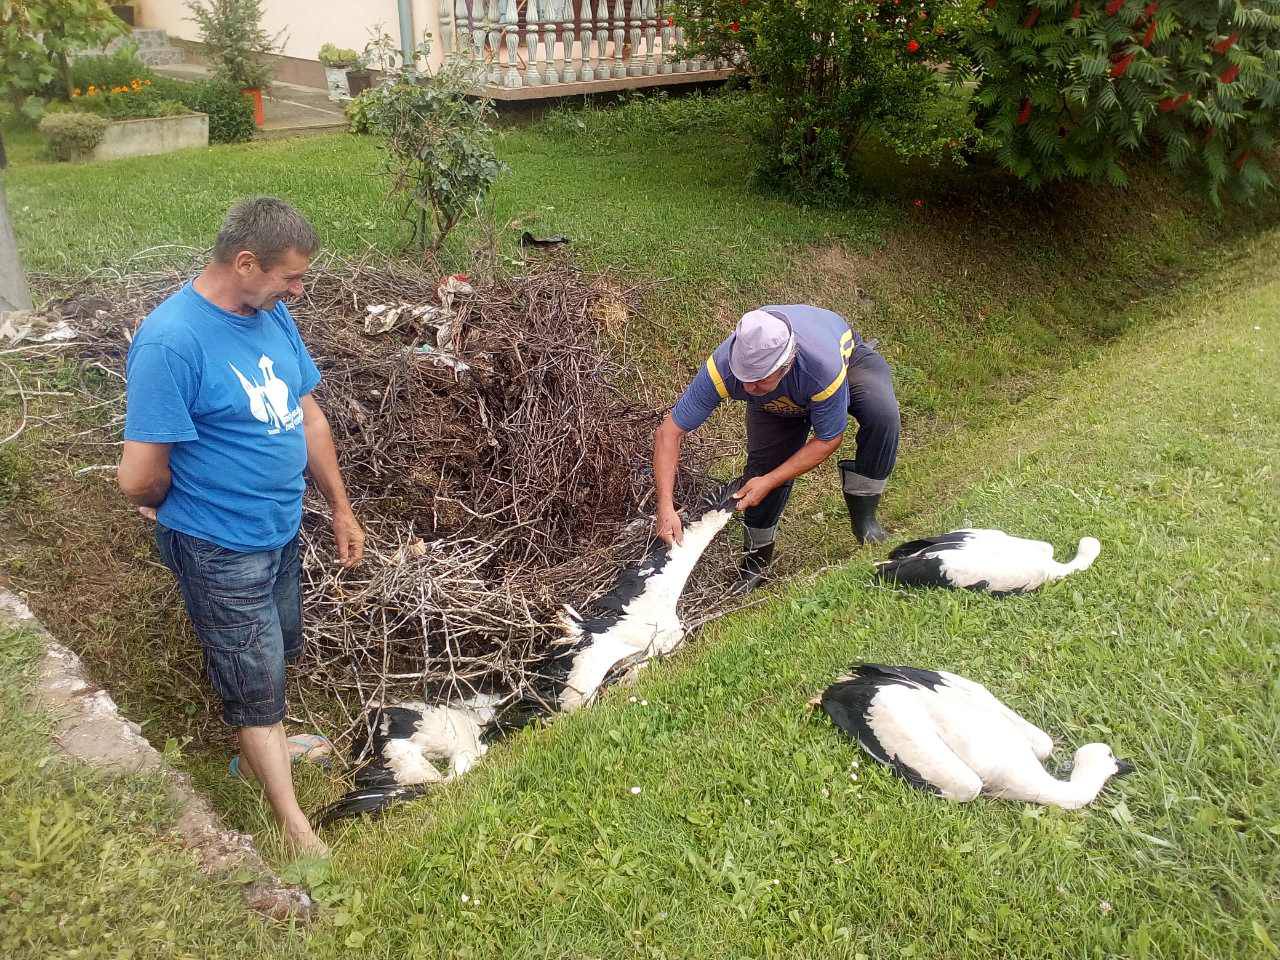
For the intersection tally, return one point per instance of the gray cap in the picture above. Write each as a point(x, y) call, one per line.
point(761, 344)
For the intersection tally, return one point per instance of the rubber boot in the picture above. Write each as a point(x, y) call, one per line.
point(753, 568)
point(862, 515)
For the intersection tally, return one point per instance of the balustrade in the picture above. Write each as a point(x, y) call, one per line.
point(560, 43)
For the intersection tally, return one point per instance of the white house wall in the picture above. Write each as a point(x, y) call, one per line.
point(309, 24)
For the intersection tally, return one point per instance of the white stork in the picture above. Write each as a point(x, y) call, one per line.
point(987, 560)
point(947, 734)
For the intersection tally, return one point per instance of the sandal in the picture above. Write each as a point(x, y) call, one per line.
point(302, 746)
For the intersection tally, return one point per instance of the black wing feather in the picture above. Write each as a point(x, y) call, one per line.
point(848, 700)
point(914, 571)
point(944, 540)
point(359, 803)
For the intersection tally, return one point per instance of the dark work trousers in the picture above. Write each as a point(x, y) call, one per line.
point(771, 440)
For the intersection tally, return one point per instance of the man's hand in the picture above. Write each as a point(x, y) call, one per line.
point(668, 527)
point(348, 537)
point(753, 491)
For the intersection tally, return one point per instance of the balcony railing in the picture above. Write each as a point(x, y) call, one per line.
point(547, 48)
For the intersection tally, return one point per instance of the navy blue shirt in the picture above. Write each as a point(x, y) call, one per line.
point(814, 387)
point(225, 390)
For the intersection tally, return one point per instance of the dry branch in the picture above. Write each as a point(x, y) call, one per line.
point(490, 497)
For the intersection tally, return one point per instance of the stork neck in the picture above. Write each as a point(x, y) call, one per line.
point(1082, 789)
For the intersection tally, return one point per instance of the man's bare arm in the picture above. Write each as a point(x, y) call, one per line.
point(666, 458)
point(811, 455)
point(322, 464)
point(143, 475)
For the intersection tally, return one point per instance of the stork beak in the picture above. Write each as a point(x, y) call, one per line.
point(1123, 767)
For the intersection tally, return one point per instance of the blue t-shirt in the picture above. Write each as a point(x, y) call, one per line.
point(815, 387)
point(225, 390)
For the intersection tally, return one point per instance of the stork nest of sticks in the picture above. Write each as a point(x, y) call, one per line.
point(496, 449)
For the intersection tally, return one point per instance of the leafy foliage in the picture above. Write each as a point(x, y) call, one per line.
point(230, 111)
point(117, 69)
point(834, 71)
point(37, 40)
point(335, 56)
point(440, 151)
point(232, 31)
point(1075, 88)
point(72, 135)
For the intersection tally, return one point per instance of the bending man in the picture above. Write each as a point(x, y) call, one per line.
point(219, 428)
point(801, 370)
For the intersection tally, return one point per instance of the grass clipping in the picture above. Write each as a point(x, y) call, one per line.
point(495, 450)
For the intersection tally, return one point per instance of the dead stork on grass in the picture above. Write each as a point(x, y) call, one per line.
point(410, 746)
point(949, 735)
point(632, 623)
point(975, 559)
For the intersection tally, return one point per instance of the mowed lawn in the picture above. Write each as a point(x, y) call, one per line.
point(1166, 449)
point(759, 832)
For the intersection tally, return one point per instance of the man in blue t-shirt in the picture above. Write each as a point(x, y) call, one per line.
point(801, 370)
point(220, 426)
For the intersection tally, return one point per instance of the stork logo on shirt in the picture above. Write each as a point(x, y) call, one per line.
point(783, 407)
point(269, 401)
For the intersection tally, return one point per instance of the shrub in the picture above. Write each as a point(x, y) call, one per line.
point(232, 32)
point(334, 56)
point(119, 69)
point(72, 135)
point(833, 72)
point(1075, 88)
point(230, 111)
point(440, 151)
point(136, 100)
point(37, 38)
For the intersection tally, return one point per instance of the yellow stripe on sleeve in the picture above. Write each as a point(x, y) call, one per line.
point(835, 385)
point(717, 379)
point(846, 345)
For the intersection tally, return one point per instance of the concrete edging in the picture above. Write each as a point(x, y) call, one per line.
point(152, 135)
point(89, 727)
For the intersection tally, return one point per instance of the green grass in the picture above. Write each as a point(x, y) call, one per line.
point(84, 869)
point(979, 298)
point(751, 839)
point(985, 299)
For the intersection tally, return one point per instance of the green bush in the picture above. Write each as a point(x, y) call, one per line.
point(833, 73)
point(38, 40)
point(230, 111)
point(235, 40)
point(440, 150)
point(115, 70)
point(1078, 88)
point(72, 135)
point(335, 56)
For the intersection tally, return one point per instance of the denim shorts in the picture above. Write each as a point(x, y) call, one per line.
point(247, 611)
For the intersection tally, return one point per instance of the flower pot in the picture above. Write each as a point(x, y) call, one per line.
point(336, 81)
point(256, 95)
point(358, 81)
point(123, 11)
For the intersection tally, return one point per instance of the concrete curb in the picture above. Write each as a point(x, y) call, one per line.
point(89, 727)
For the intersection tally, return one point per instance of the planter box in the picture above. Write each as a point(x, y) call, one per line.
point(336, 78)
point(141, 138)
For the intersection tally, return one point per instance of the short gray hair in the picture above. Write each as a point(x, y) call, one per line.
point(266, 227)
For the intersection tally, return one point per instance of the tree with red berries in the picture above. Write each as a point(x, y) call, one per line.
point(1081, 88)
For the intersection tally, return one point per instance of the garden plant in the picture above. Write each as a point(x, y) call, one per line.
point(37, 41)
point(237, 43)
